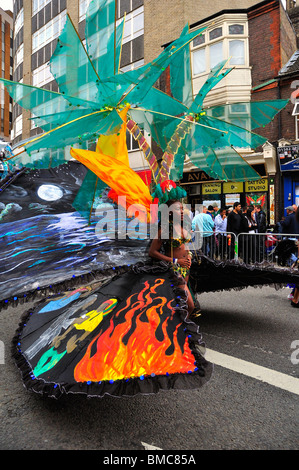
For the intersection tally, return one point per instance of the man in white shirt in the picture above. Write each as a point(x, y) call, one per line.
point(220, 232)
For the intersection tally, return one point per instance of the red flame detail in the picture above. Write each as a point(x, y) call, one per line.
point(124, 352)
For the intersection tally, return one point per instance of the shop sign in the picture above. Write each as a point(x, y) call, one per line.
point(211, 188)
point(288, 157)
point(258, 185)
point(232, 187)
point(195, 177)
point(230, 199)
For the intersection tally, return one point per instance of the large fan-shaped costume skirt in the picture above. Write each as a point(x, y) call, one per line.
point(128, 336)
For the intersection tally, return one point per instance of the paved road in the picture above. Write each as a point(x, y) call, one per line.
point(233, 411)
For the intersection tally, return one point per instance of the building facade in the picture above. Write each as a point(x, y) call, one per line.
point(258, 42)
point(38, 24)
point(6, 24)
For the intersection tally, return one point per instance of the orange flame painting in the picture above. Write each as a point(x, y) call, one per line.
point(140, 345)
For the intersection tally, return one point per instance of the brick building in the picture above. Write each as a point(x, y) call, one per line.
point(259, 41)
point(6, 25)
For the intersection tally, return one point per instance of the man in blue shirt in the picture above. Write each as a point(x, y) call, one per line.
point(289, 224)
point(204, 224)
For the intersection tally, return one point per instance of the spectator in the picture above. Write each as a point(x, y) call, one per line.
point(250, 244)
point(234, 225)
point(204, 223)
point(290, 224)
point(261, 219)
point(261, 228)
point(215, 210)
point(252, 225)
point(243, 238)
point(234, 219)
point(295, 299)
point(210, 211)
point(220, 233)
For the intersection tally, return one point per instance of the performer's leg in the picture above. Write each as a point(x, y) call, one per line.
point(190, 303)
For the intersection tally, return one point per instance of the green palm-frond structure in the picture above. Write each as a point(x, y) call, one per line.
point(93, 90)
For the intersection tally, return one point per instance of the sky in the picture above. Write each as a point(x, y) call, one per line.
point(6, 4)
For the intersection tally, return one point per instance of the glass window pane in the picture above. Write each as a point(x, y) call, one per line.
point(236, 29)
point(199, 40)
point(216, 54)
point(138, 23)
point(199, 61)
point(215, 33)
point(236, 52)
point(127, 29)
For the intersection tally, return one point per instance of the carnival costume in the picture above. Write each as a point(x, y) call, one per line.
point(132, 334)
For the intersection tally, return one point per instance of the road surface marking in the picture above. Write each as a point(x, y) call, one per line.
point(286, 382)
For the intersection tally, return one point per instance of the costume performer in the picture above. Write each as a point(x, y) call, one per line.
point(175, 251)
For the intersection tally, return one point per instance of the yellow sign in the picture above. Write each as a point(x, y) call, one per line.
point(211, 188)
point(232, 187)
point(258, 185)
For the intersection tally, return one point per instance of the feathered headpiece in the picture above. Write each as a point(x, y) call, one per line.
point(166, 191)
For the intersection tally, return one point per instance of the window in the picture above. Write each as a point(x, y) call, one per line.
point(18, 125)
point(19, 22)
point(47, 33)
point(2, 94)
point(223, 42)
point(199, 40)
point(132, 55)
point(126, 6)
point(296, 109)
point(199, 61)
point(37, 5)
point(132, 144)
point(296, 114)
point(236, 29)
point(216, 54)
point(133, 66)
point(239, 108)
point(41, 76)
point(134, 25)
point(215, 33)
point(237, 52)
point(83, 6)
point(19, 56)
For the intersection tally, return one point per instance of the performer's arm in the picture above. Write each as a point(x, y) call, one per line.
point(154, 251)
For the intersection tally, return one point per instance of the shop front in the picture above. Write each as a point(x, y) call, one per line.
point(202, 189)
point(256, 193)
point(288, 157)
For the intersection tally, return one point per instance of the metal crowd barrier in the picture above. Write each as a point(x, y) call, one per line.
point(279, 249)
point(220, 245)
